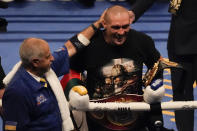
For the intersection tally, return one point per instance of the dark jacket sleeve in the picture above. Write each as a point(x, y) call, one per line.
point(140, 6)
point(16, 113)
point(60, 65)
point(2, 75)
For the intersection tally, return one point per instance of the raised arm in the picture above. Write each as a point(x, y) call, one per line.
point(139, 7)
point(74, 88)
point(77, 42)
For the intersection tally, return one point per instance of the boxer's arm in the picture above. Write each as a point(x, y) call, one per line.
point(139, 7)
point(81, 40)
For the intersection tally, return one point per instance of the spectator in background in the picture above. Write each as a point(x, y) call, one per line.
point(3, 4)
point(182, 48)
point(2, 87)
point(3, 25)
point(3, 22)
point(87, 3)
point(2, 75)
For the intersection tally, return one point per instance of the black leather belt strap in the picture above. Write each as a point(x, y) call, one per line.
point(156, 117)
point(74, 122)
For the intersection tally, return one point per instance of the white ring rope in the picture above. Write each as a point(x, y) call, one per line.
point(136, 106)
point(139, 106)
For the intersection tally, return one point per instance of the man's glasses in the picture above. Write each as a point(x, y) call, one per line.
point(116, 27)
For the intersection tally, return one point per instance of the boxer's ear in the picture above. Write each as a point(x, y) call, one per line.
point(104, 24)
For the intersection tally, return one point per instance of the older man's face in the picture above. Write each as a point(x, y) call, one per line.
point(117, 28)
point(45, 61)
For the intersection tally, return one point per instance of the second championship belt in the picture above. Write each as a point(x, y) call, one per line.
point(160, 65)
point(174, 6)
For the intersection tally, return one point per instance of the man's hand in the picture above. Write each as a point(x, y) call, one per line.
point(2, 92)
point(98, 23)
point(154, 93)
point(78, 97)
point(132, 16)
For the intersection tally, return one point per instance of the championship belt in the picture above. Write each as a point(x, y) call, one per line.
point(121, 119)
point(160, 65)
point(174, 6)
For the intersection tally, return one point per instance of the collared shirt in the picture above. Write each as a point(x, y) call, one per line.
point(37, 78)
point(28, 106)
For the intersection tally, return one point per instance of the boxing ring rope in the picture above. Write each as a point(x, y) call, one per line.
point(138, 106)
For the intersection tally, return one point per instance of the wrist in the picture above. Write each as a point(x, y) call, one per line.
point(94, 28)
point(79, 41)
point(97, 24)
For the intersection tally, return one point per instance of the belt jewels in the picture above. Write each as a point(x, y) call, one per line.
point(174, 6)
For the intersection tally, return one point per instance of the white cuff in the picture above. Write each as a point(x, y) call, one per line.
point(83, 39)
